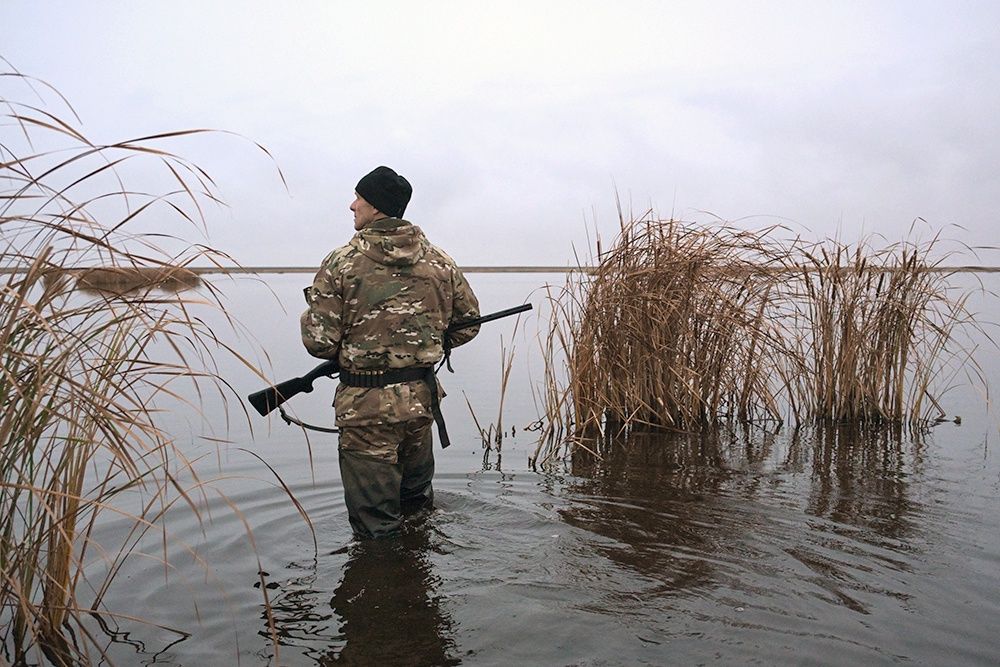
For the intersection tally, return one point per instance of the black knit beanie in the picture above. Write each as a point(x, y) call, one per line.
point(385, 190)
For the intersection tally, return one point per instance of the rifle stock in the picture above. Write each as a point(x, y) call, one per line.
point(267, 400)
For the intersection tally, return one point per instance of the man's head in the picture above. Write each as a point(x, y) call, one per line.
point(380, 193)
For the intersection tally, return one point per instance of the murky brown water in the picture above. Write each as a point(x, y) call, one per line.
point(822, 548)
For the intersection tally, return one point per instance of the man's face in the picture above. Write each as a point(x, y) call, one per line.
point(364, 212)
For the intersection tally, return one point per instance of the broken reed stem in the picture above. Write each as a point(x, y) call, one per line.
point(682, 327)
point(492, 436)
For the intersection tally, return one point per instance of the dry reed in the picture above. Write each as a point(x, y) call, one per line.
point(878, 329)
point(493, 434)
point(80, 371)
point(684, 327)
point(675, 327)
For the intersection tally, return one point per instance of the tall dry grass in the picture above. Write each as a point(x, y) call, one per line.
point(676, 326)
point(879, 328)
point(685, 327)
point(80, 371)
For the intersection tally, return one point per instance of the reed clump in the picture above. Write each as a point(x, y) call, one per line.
point(878, 332)
point(122, 279)
point(676, 326)
point(80, 371)
point(684, 327)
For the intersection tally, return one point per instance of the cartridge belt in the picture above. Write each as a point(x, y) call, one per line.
point(381, 378)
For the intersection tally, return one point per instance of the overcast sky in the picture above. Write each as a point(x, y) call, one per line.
point(516, 121)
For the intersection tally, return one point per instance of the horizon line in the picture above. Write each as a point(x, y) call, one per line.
point(208, 270)
point(464, 269)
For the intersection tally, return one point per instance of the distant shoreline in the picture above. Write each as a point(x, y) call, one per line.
point(522, 269)
point(209, 270)
point(465, 269)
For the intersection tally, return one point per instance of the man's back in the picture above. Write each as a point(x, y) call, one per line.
point(380, 305)
point(399, 293)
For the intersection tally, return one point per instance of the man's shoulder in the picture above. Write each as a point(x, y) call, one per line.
point(338, 257)
point(439, 257)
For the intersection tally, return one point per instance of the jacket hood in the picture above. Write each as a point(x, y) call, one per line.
point(391, 241)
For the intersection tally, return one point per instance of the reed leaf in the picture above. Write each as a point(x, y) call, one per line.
point(94, 327)
point(687, 327)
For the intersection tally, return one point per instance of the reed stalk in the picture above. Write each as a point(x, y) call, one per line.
point(879, 327)
point(80, 370)
point(687, 327)
point(493, 434)
point(677, 326)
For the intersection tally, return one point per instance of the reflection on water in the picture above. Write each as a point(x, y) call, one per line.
point(696, 511)
point(685, 511)
point(825, 546)
point(653, 492)
point(389, 606)
point(859, 477)
point(856, 476)
point(384, 610)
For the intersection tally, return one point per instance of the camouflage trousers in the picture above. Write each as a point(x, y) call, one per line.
point(386, 469)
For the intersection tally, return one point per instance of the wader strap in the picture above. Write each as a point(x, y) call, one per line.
point(431, 379)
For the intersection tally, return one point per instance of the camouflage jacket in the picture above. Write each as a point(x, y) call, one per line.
point(383, 301)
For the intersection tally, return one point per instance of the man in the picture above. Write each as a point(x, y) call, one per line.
point(380, 306)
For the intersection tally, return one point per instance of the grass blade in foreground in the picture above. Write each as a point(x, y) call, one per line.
point(78, 368)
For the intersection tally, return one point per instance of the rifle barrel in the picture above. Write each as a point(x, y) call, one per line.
point(489, 318)
point(269, 398)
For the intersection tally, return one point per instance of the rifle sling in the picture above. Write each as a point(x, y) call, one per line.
point(381, 378)
point(312, 427)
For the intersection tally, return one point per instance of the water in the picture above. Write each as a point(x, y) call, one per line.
point(828, 548)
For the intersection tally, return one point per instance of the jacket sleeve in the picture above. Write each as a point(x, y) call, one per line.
point(322, 323)
point(465, 306)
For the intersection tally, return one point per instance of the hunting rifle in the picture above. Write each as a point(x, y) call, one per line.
point(266, 400)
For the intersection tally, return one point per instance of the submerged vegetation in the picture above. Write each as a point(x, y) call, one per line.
point(81, 369)
point(684, 327)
